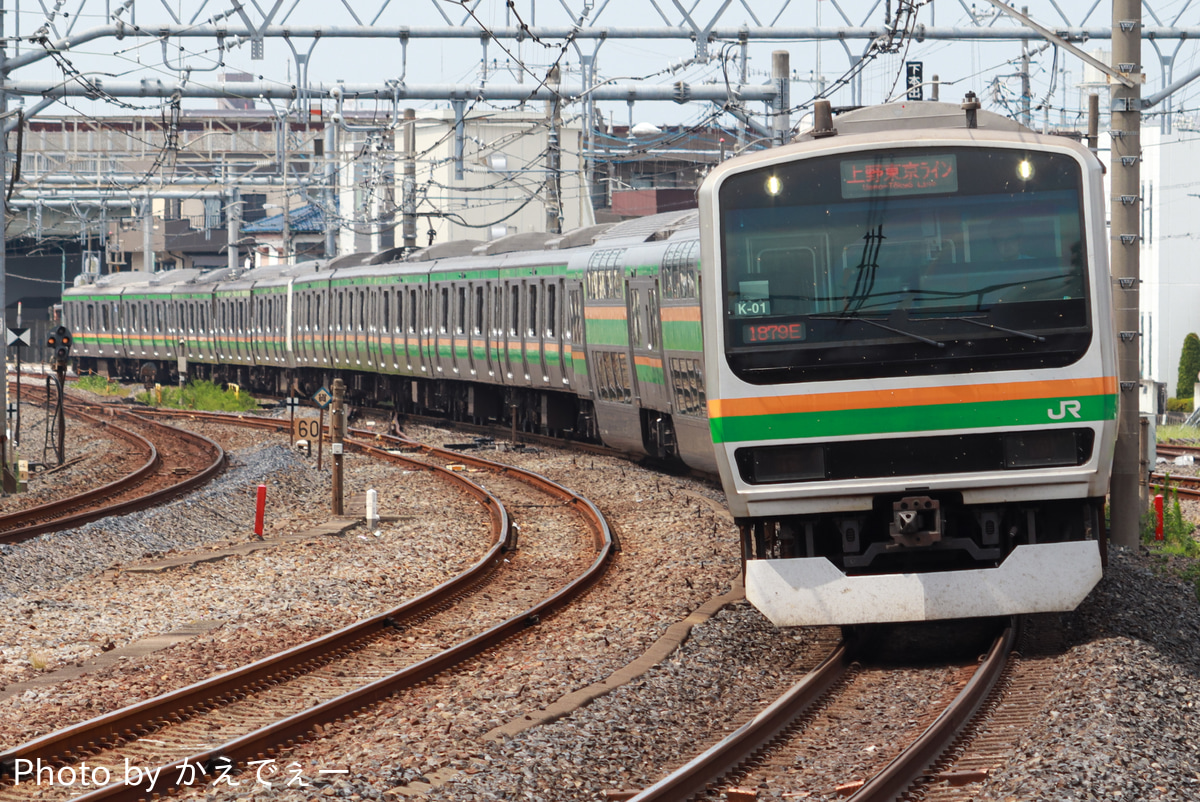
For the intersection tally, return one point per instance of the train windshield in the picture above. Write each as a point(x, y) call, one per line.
point(909, 261)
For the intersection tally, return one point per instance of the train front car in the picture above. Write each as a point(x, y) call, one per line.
point(910, 367)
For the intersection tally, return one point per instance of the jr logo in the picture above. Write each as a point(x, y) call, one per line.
point(1063, 408)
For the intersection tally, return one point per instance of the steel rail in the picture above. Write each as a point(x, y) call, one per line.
point(739, 746)
point(911, 764)
point(699, 774)
point(299, 726)
point(20, 530)
point(121, 724)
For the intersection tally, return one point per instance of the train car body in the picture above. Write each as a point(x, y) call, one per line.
point(594, 334)
point(913, 419)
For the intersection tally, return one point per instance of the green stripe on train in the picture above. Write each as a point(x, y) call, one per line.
point(682, 335)
point(844, 422)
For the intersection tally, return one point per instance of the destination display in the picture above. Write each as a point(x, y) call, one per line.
point(905, 176)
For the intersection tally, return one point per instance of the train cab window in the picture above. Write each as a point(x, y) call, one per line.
point(460, 324)
point(91, 318)
point(104, 317)
point(894, 263)
point(477, 323)
point(533, 311)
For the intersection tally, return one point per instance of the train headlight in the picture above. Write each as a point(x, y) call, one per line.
point(774, 464)
point(1024, 169)
point(774, 185)
point(1042, 449)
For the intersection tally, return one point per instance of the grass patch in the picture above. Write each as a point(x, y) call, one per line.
point(202, 395)
point(1178, 548)
point(95, 383)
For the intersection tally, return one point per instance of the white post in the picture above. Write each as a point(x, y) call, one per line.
point(372, 509)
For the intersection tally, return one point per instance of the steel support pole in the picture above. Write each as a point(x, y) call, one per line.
point(781, 73)
point(1125, 235)
point(408, 192)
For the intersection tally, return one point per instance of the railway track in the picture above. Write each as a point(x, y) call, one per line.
point(164, 462)
point(265, 706)
point(833, 702)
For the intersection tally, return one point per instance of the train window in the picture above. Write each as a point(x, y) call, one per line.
point(362, 310)
point(90, 317)
point(477, 323)
point(387, 312)
point(603, 275)
point(687, 380)
point(551, 311)
point(575, 316)
point(497, 310)
point(460, 325)
point(104, 317)
point(653, 323)
point(444, 317)
point(533, 311)
point(636, 335)
point(412, 310)
point(514, 310)
point(678, 275)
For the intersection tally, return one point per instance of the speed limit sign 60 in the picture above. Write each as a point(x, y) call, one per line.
point(306, 429)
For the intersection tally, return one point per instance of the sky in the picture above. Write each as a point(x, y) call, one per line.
point(988, 68)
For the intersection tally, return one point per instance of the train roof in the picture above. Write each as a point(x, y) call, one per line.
point(912, 115)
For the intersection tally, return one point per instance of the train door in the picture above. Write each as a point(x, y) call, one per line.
point(338, 326)
point(574, 345)
point(552, 332)
point(510, 348)
point(477, 357)
point(533, 354)
point(359, 353)
point(382, 328)
point(460, 360)
point(427, 329)
point(645, 343)
point(410, 359)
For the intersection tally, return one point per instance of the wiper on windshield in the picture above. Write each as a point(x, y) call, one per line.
point(877, 324)
point(1037, 338)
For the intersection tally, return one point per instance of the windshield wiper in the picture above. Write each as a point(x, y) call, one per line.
point(879, 325)
point(1037, 338)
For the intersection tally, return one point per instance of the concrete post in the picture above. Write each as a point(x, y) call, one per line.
point(1125, 214)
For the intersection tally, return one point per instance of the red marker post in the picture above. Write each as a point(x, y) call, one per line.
point(1158, 517)
point(259, 510)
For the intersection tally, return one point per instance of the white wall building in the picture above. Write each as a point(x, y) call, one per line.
point(1170, 249)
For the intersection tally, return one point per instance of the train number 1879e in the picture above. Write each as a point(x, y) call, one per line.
point(773, 332)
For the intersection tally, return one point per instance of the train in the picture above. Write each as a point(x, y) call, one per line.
point(912, 416)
